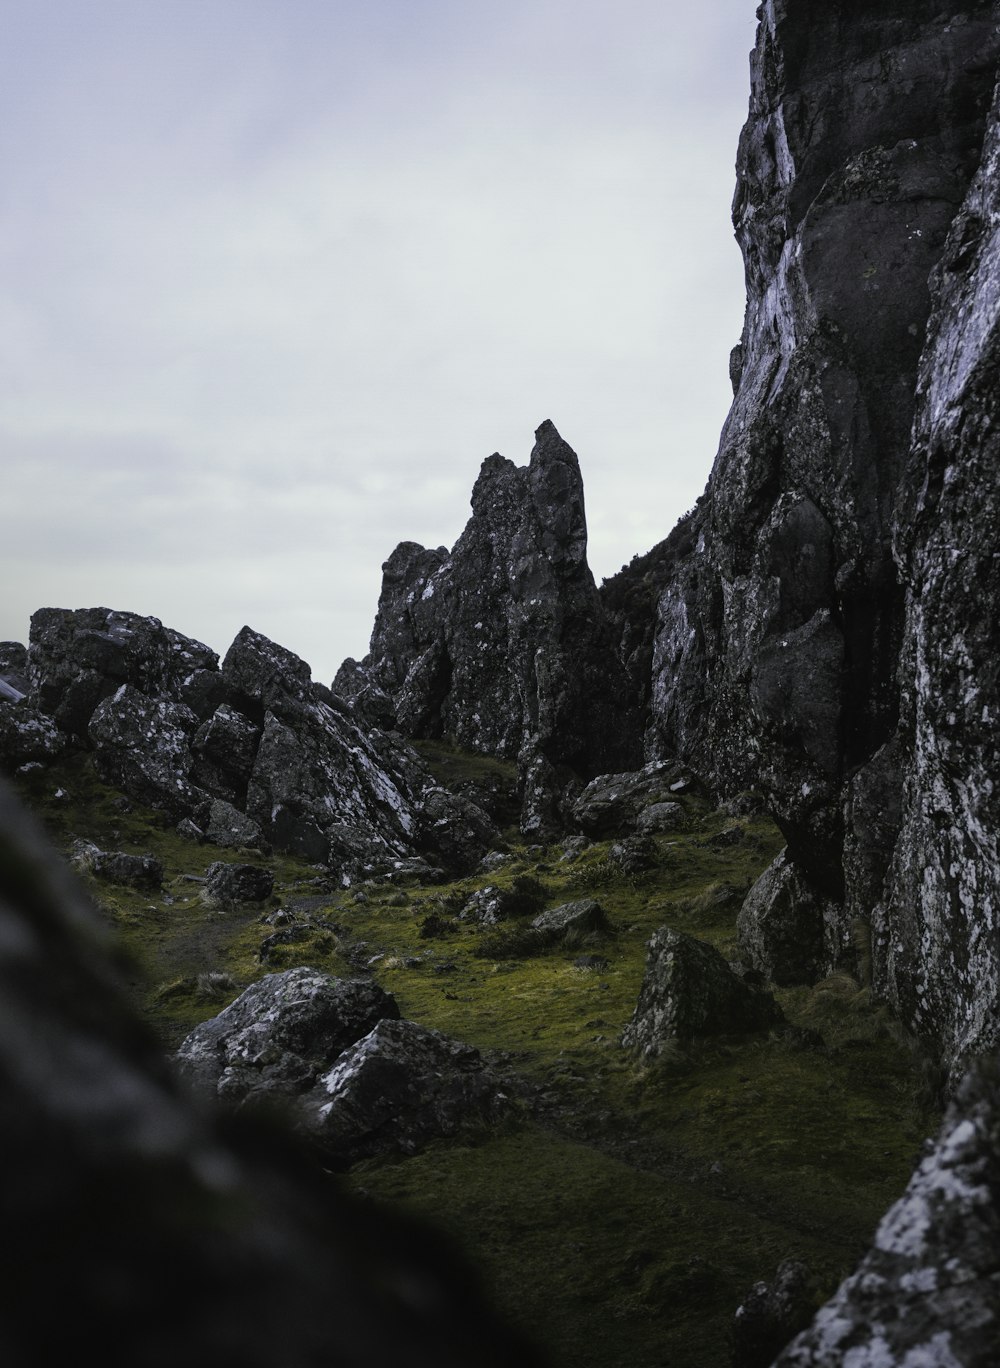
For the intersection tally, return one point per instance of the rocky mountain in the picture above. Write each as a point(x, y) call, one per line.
point(816, 641)
point(504, 643)
point(251, 752)
point(819, 640)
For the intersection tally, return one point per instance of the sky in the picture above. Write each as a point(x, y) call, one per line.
point(277, 275)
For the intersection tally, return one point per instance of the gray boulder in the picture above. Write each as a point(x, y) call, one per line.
point(228, 884)
point(279, 1035)
point(785, 927)
point(133, 871)
point(399, 1087)
point(689, 991)
point(583, 916)
point(927, 1292)
point(224, 747)
point(227, 826)
point(143, 746)
point(614, 804)
point(27, 736)
point(77, 658)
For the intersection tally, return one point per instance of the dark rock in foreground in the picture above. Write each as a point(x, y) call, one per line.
point(358, 1080)
point(928, 1291)
point(689, 991)
point(134, 1223)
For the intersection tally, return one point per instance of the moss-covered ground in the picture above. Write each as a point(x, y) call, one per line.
point(622, 1211)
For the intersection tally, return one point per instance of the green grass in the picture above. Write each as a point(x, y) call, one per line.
point(623, 1211)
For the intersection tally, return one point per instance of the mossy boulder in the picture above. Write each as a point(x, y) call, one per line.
point(689, 992)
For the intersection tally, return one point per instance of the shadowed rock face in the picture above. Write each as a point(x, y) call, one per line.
point(503, 644)
point(927, 1292)
point(252, 752)
point(778, 639)
point(133, 1222)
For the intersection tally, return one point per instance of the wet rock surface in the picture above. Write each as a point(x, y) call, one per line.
point(227, 883)
point(810, 611)
point(928, 1291)
point(688, 992)
point(397, 1088)
point(502, 643)
point(280, 1034)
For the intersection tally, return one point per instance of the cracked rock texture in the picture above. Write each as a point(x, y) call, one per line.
point(503, 643)
point(804, 642)
point(927, 1294)
point(249, 752)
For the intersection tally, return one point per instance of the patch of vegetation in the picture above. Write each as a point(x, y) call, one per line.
point(623, 1213)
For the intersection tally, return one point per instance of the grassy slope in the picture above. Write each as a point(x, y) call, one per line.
point(624, 1210)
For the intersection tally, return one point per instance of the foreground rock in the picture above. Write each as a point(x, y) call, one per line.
point(228, 884)
point(787, 931)
point(928, 1291)
point(158, 1234)
point(689, 991)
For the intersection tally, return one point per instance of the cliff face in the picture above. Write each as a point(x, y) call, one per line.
point(778, 641)
point(503, 644)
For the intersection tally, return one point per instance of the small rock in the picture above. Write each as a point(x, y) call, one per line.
point(226, 884)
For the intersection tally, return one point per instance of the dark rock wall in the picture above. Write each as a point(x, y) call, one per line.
point(937, 935)
point(504, 644)
point(778, 639)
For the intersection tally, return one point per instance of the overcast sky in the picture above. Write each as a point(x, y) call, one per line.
point(277, 275)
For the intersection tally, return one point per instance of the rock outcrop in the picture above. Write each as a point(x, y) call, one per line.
point(928, 1291)
point(689, 992)
point(503, 643)
point(251, 752)
point(827, 558)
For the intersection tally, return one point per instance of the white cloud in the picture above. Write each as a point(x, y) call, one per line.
point(280, 279)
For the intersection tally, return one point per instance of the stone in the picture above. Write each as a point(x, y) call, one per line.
point(133, 871)
point(502, 643)
point(143, 747)
point(689, 992)
point(455, 830)
point(77, 658)
point(770, 1315)
point(27, 736)
point(280, 1035)
point(634, 855)
point(227, 884)
point(784, 926)
point(158, 1232)
point(659, 818)
point(225, 747)
point(227, 826)
point(927, 1291)
point(614, 804)
point(399, 1087)
point(583, 916)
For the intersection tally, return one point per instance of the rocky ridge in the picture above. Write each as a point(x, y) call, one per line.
point(503, 643)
